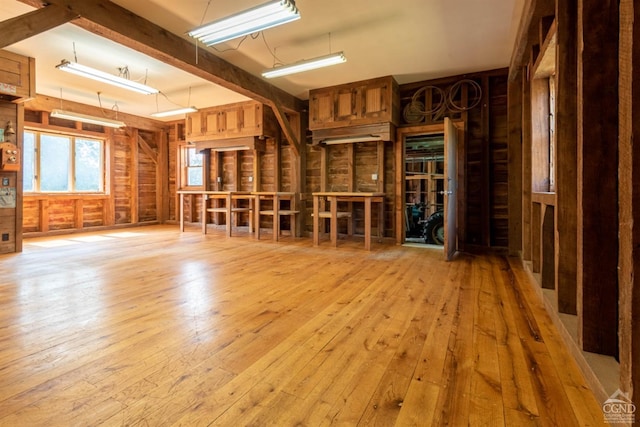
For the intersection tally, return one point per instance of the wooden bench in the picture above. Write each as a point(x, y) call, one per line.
point(275, 197)
point(339, 215)
point(231, 215)
point(276, 222)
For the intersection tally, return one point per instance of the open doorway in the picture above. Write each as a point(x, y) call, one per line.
point(424, 185)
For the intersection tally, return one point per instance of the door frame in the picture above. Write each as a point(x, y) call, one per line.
point(399, 202)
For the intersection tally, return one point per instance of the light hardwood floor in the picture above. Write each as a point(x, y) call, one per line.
point(152, 327)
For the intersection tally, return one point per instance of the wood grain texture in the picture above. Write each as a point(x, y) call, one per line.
point(156, 327)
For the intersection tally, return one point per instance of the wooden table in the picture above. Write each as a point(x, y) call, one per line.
point(228, 209)
point(276, 197)
point(334, 198)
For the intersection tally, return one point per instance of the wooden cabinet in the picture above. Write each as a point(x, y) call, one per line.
point(359, 103)
point(17, 77)
point(230, 121)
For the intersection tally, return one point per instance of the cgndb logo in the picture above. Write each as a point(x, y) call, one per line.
point(618, 408)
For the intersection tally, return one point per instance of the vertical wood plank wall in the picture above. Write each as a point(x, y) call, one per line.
point(10, 218)
point(597, 175)
point(566, 154)
point(133, 184)
point(592, 246)
point(629, 182)
point(484, 203)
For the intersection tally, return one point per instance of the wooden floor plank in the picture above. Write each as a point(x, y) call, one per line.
point(158, 327)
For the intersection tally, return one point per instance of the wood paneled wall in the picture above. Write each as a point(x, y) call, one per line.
point(485, 220)
point(589, 240)
point(137, 165)
point(11, 217)
point(629, 212)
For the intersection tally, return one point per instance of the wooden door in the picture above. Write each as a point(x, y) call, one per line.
point(450, 189)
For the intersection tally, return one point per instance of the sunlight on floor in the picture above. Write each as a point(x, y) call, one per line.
point(58, 242)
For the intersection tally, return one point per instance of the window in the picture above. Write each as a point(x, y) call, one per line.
point(192, 174)
point(59, 163)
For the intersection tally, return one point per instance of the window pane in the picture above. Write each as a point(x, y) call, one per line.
point(54, 163)
point(28, 156)
point(193, 157)
point(88, 162)
point(194, 176)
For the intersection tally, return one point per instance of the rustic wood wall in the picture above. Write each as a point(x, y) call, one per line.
point(485, 220)
point(11, 217)
point(629, 159)
point(586, 49)
point(136, 169)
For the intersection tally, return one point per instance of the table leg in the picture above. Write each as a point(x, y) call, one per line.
point(203, 215)
point(257, 216)
point(252, 209)
point(181, 212)
point(316, 220)
point(381, 220)
point(333, 201)
point(367, 223)
point(228, 213)
point(276, 217)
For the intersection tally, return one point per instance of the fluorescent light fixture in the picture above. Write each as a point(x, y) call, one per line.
point(252, 20)
point(309, 64)
point(232, 148)
point(175, 112)
point(347, 140)
point(101, 76)
point(68, 115)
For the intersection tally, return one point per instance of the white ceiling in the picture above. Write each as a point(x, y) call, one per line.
point(413, 40)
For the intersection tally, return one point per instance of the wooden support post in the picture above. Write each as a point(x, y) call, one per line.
point(351, 168)
point(598, 176)
point(109, 208)
point(566, 156)
point(514, 119)
point(629, 200)
point(536, 233)
point(78, 213)
point(526, 168)
point(547, 279)
point(237, 172)
point(44, 216)
point(257, 158)
point(162, 173)
point(485, 215)
point(277, 156)
point(133, 189)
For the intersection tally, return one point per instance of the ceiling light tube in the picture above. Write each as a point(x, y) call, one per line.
point(350, 139)
point(101, 76)
point(68, 115)
point(309, 64)
point(232, 148)
point(250, 21)
point(174, 112)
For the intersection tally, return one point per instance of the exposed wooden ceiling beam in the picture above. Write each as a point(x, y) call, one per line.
point(30, 24)
point(116, 23)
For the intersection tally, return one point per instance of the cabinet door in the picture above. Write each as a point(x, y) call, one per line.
point(230, 122)
point(212, 126)
point(376, 101)
point(347, 103)
point(322, 109)
point(193, 126)
point(252, 119)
